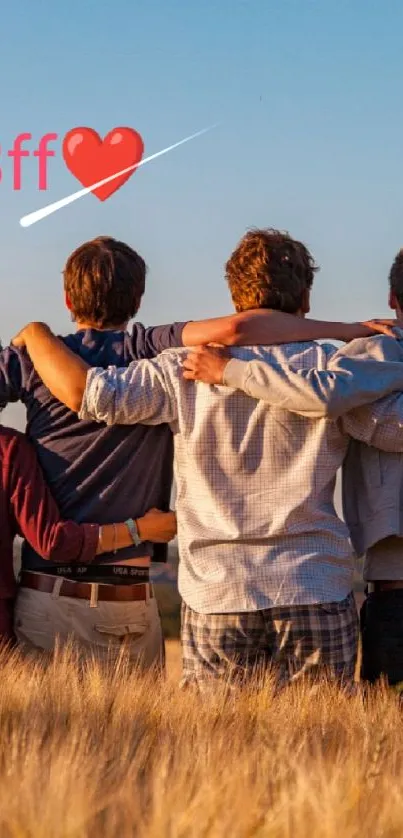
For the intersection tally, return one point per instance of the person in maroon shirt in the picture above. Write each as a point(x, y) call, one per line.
point(28, 509)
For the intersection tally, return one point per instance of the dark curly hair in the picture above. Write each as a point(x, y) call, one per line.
point(269, 269)
point(104, 280)
point(396, 278)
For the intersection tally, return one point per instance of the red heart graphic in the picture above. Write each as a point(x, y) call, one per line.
point(91, 159)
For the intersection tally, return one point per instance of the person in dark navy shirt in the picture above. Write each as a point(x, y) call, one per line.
point(103, 474)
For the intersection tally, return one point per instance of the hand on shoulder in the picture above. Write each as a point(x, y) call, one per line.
point(33, 328)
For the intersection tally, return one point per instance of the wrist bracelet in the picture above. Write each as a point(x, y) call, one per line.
point(133, 530)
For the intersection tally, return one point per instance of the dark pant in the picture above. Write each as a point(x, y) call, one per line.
point(382, 636)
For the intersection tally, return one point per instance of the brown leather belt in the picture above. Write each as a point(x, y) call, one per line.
point(82, 590)
point(387, 586)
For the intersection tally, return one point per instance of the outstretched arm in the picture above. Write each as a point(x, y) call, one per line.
point(62, 372)
point(359, 374)
point(266, 327)
point(141, 393)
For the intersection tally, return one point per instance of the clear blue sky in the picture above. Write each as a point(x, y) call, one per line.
point(309, 95)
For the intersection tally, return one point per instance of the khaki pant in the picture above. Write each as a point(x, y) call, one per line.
point(103, 632)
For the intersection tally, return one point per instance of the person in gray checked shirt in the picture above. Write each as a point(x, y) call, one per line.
point(266, 564)
point(372, 478)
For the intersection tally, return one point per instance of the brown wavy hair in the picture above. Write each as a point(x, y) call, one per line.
point(104, 280)
point(269, 269)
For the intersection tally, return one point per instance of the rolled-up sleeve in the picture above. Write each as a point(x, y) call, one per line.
point(143, 392)
point(71, 543)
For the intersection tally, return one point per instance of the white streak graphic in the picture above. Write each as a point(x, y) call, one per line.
point(38, 215)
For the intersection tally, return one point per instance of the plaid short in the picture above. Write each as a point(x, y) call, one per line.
point(291, 641)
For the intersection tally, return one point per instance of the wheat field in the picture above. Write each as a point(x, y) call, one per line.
point(86, 753)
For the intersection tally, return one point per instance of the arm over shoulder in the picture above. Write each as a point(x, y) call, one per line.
point(364, 371)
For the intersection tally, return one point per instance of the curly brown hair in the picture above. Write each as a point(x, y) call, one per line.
point(104, 280)
point(396, 278)
point(269, 269)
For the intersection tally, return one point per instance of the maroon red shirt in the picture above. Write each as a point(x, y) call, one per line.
point(27, 509)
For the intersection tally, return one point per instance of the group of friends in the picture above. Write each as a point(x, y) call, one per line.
point(255, 415)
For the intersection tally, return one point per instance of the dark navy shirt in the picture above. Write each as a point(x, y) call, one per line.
point(97, 474)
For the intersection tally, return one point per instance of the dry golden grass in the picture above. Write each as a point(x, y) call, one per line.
point(114, 754)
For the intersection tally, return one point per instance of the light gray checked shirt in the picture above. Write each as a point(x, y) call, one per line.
point(373, 468)
point(256, 522)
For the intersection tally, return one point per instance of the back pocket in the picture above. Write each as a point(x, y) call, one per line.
point(124, 631)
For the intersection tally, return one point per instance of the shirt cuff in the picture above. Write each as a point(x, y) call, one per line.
point(235, 373)
point(90, 543)
point(90, 394)
point(178, 332)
